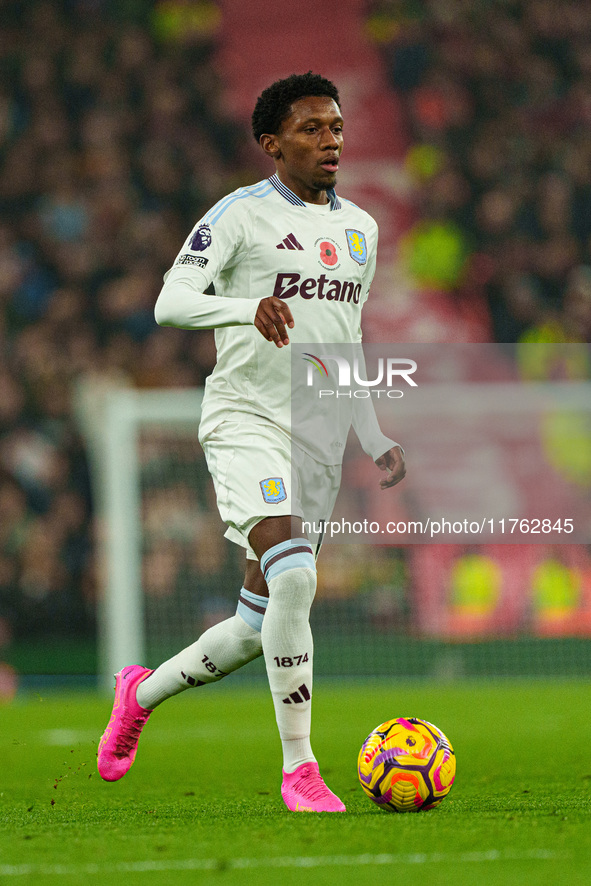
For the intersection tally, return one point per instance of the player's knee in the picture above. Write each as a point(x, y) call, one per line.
point(299, 585)
point(248, 642)
point(293, 591)
point(290, 569)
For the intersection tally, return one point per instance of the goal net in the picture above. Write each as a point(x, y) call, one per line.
point(396, 610)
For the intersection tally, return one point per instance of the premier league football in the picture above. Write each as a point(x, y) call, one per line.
point(406, 765)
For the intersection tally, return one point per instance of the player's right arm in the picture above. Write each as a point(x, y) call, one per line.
point(216, 245)
point(272, 318)
point(182, 304)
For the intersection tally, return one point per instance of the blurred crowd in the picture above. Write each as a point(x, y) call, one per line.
point(497, 97)
point(113, 141)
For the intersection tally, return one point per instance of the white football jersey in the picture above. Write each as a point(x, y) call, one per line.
point(260, 241)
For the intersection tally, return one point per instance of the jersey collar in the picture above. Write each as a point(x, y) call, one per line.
point(285, 192)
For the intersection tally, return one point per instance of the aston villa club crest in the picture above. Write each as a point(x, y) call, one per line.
point(357, 246)
point(273, 489)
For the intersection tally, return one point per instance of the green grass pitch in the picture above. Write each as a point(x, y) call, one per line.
point(202, 805)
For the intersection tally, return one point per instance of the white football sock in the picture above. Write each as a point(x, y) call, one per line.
point(223, 648)
point(290, 572)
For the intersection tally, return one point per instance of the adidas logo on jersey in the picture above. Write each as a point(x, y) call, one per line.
point(289, 242)
point(296, 697)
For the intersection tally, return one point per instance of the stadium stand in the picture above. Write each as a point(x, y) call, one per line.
point(121, 122)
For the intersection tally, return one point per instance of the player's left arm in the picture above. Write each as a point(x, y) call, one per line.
point(387, 454)
point(394, 463)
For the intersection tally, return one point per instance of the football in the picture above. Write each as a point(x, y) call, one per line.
point(406, 765)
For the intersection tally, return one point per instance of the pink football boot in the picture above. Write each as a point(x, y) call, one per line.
point(118, 746)
point(305, 791)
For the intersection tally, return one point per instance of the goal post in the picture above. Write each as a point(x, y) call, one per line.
point(110, 419)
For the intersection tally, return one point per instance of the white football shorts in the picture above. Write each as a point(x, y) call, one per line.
point(258, 472)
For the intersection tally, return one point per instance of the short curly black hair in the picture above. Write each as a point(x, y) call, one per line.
point(274, 103)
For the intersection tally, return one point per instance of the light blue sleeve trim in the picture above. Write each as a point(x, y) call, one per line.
point(218, 210)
